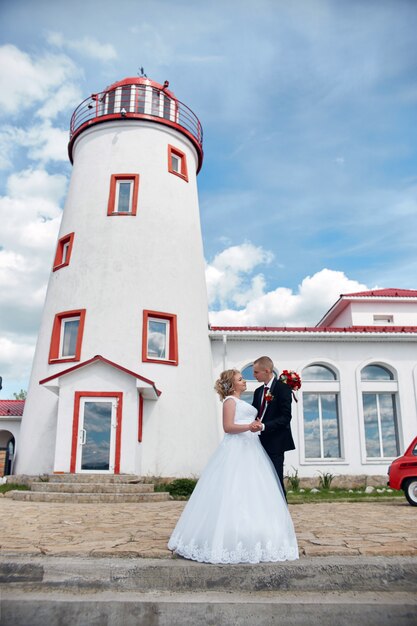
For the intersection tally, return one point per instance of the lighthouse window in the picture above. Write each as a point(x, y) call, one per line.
point(63, 252)
point(177, 162)
point(159, 338)
point(67, 334)
point(123, 196)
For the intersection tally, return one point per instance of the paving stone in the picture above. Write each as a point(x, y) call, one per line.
point(143, 529)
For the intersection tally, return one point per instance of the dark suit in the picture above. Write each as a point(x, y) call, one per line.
point(276, 438)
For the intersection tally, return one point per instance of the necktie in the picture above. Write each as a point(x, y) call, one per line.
point(261, 410)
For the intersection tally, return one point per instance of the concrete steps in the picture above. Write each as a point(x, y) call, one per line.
point(88, 488)
point(320, 591)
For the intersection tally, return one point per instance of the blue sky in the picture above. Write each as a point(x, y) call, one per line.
point(308, 187)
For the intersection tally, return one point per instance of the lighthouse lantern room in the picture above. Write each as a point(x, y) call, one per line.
point(122, 376)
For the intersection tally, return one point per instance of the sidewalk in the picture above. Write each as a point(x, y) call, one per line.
point(142, 530)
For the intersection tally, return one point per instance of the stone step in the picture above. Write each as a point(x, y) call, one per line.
point(23, 607)
point(121, 574)
point(74, 487)
point(92, 478)
point(321, 591)
point(86, 498)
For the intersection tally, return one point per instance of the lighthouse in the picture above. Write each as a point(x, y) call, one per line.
point(122, 377)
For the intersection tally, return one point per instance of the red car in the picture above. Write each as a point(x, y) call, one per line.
point(402, 473)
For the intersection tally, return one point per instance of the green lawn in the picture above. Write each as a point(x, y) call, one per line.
point(342, 495)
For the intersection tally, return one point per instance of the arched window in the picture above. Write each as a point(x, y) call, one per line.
point(321, 420)
point(252, 383)
point(318, 372)
point(376, 372)
point(379, 400)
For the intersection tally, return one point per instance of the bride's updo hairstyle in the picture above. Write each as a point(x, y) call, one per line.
point(224, 384)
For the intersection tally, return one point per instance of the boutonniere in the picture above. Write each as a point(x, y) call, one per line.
point(268, 396)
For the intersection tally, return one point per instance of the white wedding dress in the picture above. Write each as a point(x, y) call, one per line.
point(237, 512)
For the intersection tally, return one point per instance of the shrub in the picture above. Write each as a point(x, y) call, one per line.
point(293, 480)
point(325, 480)
point(13, 487)
point(178, 488)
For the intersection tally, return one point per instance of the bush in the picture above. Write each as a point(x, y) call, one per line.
point(13, 487)
point(178, 488)
point(293, 480)
point(325, 480)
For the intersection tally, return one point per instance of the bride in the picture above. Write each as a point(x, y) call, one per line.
point(237, 512)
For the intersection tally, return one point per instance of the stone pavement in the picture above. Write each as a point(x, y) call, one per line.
point(323, 529)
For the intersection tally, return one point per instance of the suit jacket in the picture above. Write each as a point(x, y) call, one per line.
point(277, 437)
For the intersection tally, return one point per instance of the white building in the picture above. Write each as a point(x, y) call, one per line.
point(123, 373)
point(356, 410)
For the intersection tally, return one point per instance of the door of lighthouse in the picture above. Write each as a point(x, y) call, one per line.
point(97, 435)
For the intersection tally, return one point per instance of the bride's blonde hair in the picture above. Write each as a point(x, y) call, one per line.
point(224, 384)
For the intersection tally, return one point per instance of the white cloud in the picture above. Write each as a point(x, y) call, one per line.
point(44, 143)
point(30, 215)
point(88, 46)
point(279, 307)
point(226, 276)
point(26, 81)
point(15, 358)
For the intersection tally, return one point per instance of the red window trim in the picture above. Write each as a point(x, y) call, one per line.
point(140, 418)
point(173, 337)
point(56, 336)
point(88, 394)
point(112, 195)
point(184, 170)
point(60, 252)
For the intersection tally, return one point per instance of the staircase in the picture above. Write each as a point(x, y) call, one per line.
point(89, 488)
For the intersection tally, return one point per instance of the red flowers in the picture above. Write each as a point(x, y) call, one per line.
point(290, 378)
point(268, 396)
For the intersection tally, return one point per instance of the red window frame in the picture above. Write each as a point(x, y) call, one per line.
point(112, 194)
point(56, 336)
point(173, 337)
point(59, 254)
point(172, 150)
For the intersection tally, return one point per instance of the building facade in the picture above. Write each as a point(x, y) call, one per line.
point(123, 373)
point(356, 409)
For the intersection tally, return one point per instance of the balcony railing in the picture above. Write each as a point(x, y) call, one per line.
point(137, 101)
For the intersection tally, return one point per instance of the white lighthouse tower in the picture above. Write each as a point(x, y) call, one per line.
point(122, 376)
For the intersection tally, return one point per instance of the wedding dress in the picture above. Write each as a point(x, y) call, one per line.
point(237, 512)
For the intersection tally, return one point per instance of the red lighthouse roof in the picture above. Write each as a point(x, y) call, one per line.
point(137, 98)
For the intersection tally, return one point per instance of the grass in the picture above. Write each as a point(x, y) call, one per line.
point(13, 486)
point(338, 494)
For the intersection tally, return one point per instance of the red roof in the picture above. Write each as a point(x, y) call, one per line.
point(11, 407)
point(315, 329)
point(384, 293)
point(94, 359)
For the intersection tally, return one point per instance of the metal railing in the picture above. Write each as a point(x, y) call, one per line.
point(136, 102)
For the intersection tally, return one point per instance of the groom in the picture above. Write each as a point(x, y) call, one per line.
point(273, 403)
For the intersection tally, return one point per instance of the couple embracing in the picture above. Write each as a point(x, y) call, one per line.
point(238, 512)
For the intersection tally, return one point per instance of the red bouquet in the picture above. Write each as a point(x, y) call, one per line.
point(292, 379)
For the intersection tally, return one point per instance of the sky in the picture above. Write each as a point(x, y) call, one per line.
point(309, 181)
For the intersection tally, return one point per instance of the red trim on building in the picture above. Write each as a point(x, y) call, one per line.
point(140, 418)
point(383, 293)
point(76, 418)
point(98, 357)
point(56, 336)
point(172, 150)
point(112, 194)
point(12, 408)
point(173, 337)
point(59, 254)
point(315, 329)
